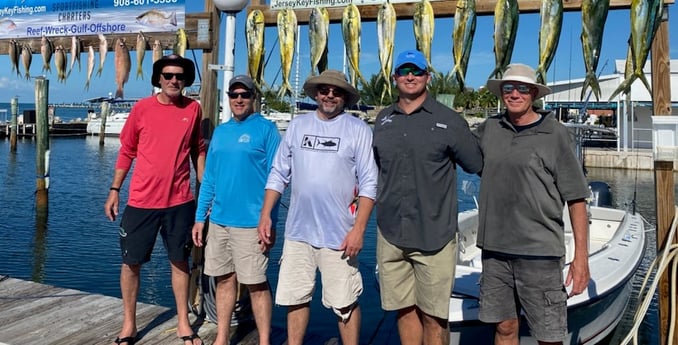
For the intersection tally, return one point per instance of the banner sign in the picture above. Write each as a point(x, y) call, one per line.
point(302, 4)
point(37, 18)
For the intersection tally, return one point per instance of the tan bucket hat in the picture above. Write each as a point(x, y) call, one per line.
point(333, 78)
point(519, 73)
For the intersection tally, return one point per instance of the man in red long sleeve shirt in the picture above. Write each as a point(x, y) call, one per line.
point(162, 133)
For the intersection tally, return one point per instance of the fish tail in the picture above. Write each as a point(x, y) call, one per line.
point(496, 73)
point(87, 85)
point(28, 75)
point(119, 92)
point(623, 87)
point(173, 18)
point(541, 77)
point(645, 82)
point(101, 68)
point(140, 73)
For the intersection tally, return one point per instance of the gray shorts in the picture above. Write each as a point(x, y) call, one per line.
point(534, 284)
point(230, 249)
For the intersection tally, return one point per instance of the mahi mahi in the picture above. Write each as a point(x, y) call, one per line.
point(506, 16)
point(424, 24)
point(181, 43)
point(464, 29)
point(593, 17)
point(645, 20)
point(318, 31)
point(551, 14)
point(254, 28)
point(122, 66)
point(350, 28)
point(287, 36)
point(386, 25)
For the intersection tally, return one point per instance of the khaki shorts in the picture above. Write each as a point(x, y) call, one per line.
point(409, 277)
point(340, 277)
point(230, 249)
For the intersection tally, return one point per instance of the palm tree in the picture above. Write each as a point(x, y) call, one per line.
point(375, 92)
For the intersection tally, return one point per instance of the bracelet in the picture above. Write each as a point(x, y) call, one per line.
point(115, 189)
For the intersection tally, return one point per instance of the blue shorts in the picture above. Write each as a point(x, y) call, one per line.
point(139, 228)
point(535, 285)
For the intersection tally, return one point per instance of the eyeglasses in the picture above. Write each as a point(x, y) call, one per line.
point(169, 76)
point(416, 71)
point(522, 88)
point(324, 90)
point(244, 95)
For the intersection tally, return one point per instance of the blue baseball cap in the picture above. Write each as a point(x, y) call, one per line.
point(413, 57)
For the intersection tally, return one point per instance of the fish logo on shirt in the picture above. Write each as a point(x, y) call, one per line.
point(319, 143)
point(387, 119)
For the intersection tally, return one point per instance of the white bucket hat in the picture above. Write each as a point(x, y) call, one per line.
point(519, 73)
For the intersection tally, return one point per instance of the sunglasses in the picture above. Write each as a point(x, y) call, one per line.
point(169, 76)
point(244, 95)
point(403, 71)
point(522, 88)
point(324, 90)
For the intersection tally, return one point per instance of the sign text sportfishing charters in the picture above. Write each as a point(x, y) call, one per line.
point(299, 4)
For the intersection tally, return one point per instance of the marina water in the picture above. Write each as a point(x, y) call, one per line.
point(78, 247)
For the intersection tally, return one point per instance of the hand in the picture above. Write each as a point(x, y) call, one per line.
point(578, 276)
point(196, 234)
point(353, 243)
point(111, 205)
point(266, 233)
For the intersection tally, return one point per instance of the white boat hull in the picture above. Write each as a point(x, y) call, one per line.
point(114, 124)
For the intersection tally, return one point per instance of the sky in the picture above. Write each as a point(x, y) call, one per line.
point(567, 65)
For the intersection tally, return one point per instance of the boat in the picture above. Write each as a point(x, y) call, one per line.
point(114, 123)
point(281, 120)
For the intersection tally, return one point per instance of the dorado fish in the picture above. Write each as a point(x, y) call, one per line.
point(350, 29)
point(90, 65)
point(75, 54)
point(386, 25)
point(505, 28)
point(122, 66)
point(318, 32)
point(254, 29)
point(551, 14)
point(157, 18)
point(46, 50)
point(462, 36)
point(141, 51)
point(157, 50)
point(26, 58)
point(287, 36)
point(103, 50)
point(14, 51)
point(181, 44)
point(60, 62)
point(645, 20)
point(424, 24)
point(593, 17)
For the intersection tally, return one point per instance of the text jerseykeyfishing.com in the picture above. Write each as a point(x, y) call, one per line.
point(294, 4)
point(17, 10)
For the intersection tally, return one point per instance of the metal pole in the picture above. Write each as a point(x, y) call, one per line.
point(229, 57)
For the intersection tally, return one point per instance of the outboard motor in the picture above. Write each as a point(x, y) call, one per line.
point(600, 194)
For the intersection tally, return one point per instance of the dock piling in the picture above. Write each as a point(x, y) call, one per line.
point(13, 124)
point(105, 111)
point(42, 144)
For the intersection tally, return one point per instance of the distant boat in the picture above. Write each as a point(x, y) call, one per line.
point(281, 120)
point(114, 123)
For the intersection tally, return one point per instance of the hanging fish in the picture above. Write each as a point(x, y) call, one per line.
point(350, 28)
point(254, 28)
point(318, 33)
point(60, 62)
point(157, 50)
point(14, 51)
point(122, 66)
point(645, 20)
point(75, 54)
point(462, 36)
point(181, 44)
point(287, 36)
point(506, 16)
point(90, 65)
point(141, 51)
point(593, 17)
point(386, 25)
point(424, 25)
point(551, 13)
point(46, 50)
point(103, 50)
point(26, 58)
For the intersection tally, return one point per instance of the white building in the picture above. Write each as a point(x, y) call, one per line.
point(629, 114)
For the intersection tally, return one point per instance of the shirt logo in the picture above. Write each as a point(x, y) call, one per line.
point(245, 138)
point(441, 125)
point(387, 119)
point(318, 143)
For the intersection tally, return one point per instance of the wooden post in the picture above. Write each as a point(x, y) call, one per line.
point(42, 144)
point(14, 122)
point(663, 169)
point(105, 111)
point(209, 89)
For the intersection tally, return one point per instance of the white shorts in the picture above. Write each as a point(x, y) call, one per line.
point(340, 277)
point(230, 249)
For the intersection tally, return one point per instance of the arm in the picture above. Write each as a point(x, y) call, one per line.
point(113, 200)
point(578, 275)
point(353, 242)
point(265, 227)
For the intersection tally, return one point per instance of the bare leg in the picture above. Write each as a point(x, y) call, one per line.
point(180, 282)
point(225, 301)
point(436, 330)
point(350, 330)
point(297, 321)
point(129, 287)
point(410, 326)
point(506, 332)
point(262, 307)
